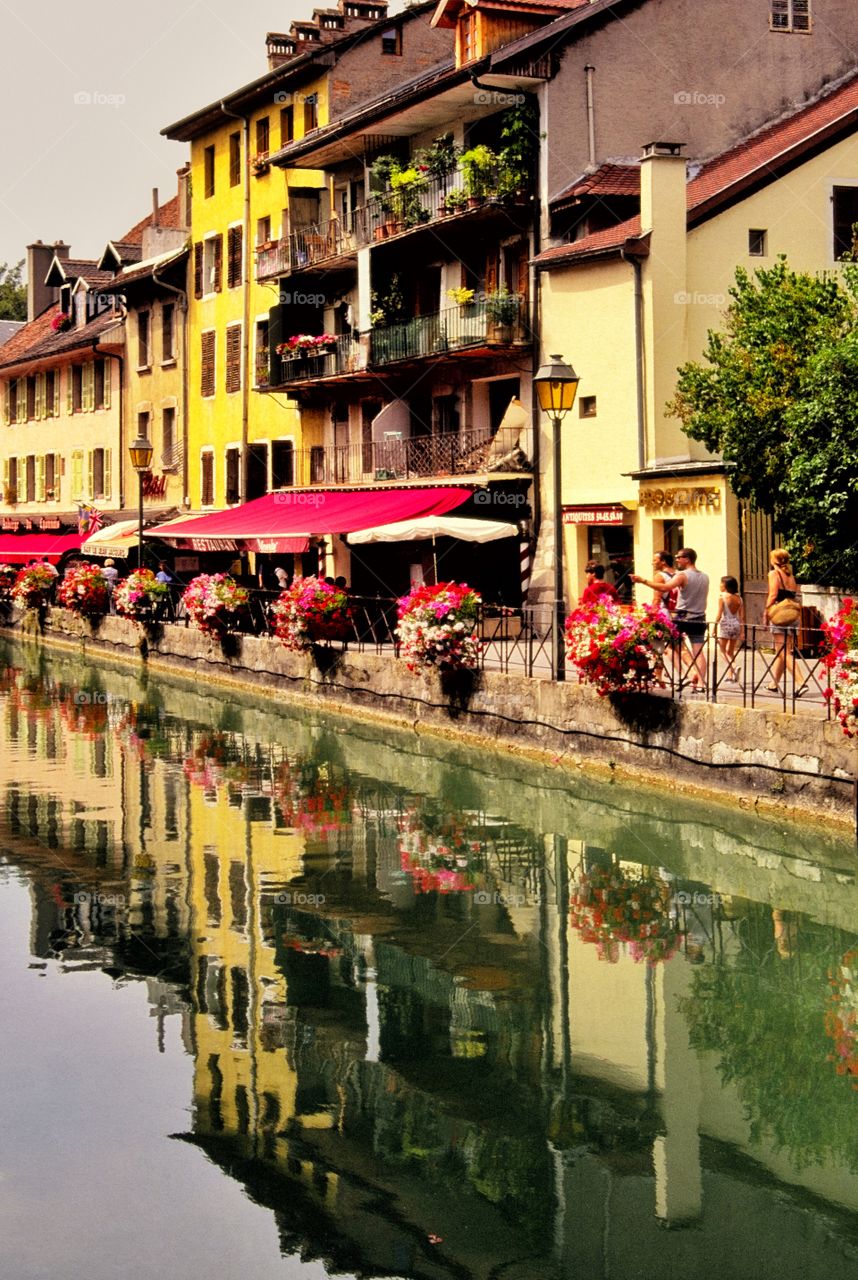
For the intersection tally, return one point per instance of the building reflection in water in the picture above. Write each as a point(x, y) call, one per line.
point(433, 1041)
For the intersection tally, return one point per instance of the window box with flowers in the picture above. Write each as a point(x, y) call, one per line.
point(61, 323)
point(260, 163)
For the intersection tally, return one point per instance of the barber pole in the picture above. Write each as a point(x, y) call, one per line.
point(525, 560)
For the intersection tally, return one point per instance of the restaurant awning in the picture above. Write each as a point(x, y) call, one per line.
point(19, 548)
point(437, 527)
point(113, 540)
point(285, 521)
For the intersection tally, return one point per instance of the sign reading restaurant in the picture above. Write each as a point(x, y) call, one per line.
point(613, 514)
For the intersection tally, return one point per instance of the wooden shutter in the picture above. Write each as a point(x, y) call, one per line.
point(207, 479)
point(40, 478)
point(108, 370)
point(198, 269)
point(233, 357)
point(88, 388)
point(7, 400)
point(107, 473)
point(56, 410)
point(90, 473)
point(492, 272)
point(40, 395)
point(6, 485)
point(77, 475)
point(207, 366)
point(217, 267)
point(69, 377)
point(235, 238)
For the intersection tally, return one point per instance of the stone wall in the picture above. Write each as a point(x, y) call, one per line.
point(766, 759)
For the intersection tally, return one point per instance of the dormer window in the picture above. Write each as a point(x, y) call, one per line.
point(391, 41)
point(65, 299)
point(790, 15)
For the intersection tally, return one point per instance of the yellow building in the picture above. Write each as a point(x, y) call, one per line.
point(629, 303)
point(242, 440)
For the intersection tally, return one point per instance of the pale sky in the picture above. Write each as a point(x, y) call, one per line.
point(83, 172)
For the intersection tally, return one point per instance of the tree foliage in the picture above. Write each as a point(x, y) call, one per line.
point(778, 397)
point(13, 293)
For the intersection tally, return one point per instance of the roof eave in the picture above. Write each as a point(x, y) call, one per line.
point(635, 247)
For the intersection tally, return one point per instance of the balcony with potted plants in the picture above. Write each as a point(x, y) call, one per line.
point(307, 357)
point(475, 323)
point(320, 244)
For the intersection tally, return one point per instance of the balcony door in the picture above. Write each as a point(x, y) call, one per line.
point(257, 471)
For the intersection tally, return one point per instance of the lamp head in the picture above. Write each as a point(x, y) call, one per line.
point(556, 387)
point(141, 451)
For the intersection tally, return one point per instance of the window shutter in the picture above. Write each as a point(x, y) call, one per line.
point(40, 478)
point(77, 475)
point(233, 357)
point(276, 335)
point(198, 269)
point(40, 395)
point(7, 397)
point(217, 268)
point(108, 370)
point(235, 237)
point(207, 367)
point(90, 473)
point(492, 273)
point(69, 390)
point(107, 473)
point(6, 470)
point(20, 400)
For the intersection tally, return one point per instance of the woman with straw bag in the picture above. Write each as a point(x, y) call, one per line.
point(783, 612)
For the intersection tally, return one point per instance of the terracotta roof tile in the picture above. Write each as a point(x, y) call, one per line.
point(37, 341)
point(600, 244)
point(168, 216)
point(608, 180)
point(765, 152)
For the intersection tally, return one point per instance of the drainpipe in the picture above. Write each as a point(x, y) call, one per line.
point(245, 298)
point(591, 117)
point(182, 295)
point(637, 268)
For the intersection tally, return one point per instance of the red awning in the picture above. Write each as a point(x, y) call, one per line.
point(19, 548)
point(285, 521)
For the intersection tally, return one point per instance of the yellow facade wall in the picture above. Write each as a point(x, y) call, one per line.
point(215, 422)
point(151, 390)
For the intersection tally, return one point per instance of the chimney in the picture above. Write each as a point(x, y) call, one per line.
point(280, 48)
point(155, 207)
point(39, 258)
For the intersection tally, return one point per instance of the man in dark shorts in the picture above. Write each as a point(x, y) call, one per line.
point(692, 587)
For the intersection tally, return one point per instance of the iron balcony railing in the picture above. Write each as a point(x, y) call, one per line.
point(384, 215)
point(500, 320)
point(457, 453)
point(342, 356)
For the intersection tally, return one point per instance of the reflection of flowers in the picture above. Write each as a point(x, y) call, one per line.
point(310, 799)
point(83, 590)
point(610, 905)
point(85, 714)
point(841, 1017)
point(216, 759)
point(437, 852)
point(437, 627)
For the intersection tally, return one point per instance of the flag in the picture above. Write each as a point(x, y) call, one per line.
point(88, 520)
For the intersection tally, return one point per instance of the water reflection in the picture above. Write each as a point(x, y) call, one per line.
point(444, 1024)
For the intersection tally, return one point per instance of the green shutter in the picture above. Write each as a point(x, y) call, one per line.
point(56, 412)
point(88, 391)
point(40, 395)
point(107, 476)
point(90, 474)
point(7, 397)
point(108, 372)
point(67, 374)
point(77, 475)
point(40, 478)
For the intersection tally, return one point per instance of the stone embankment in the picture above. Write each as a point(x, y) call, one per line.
point(765, 759)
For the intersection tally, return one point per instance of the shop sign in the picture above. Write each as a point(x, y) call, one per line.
point(682, 498)
point(154, 486)
point(11, 526)
point(209, 544)
point(594, 515)
point(49, 522)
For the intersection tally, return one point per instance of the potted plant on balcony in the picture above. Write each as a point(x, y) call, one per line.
point(406, 186)
point(455, 201)
point(439, 160)
point(519, 130)
point(478, 167)
point(502, 311)
point(464, 297)
point(380, 172)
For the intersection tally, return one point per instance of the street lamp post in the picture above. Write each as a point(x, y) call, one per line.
point(556, 387)
point(141, 460)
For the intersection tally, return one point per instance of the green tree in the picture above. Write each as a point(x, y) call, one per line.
point(13, 294)
point(778, 397)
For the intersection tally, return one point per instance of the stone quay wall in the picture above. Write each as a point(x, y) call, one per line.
point(777, 763)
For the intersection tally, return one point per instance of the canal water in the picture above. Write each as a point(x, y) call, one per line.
point(292, 996)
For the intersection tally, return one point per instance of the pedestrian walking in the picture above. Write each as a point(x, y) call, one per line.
point(730, 620)
point(783, 613)
point(692, 588)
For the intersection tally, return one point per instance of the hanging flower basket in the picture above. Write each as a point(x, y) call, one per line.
point(615, 648)
point(8, 577)
point(841, 660)
point(33, 586)
point(310, 612)
point(138, 596)
point(214, 602)
point(84, 591)
point(610, 906)
point(438, 627)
